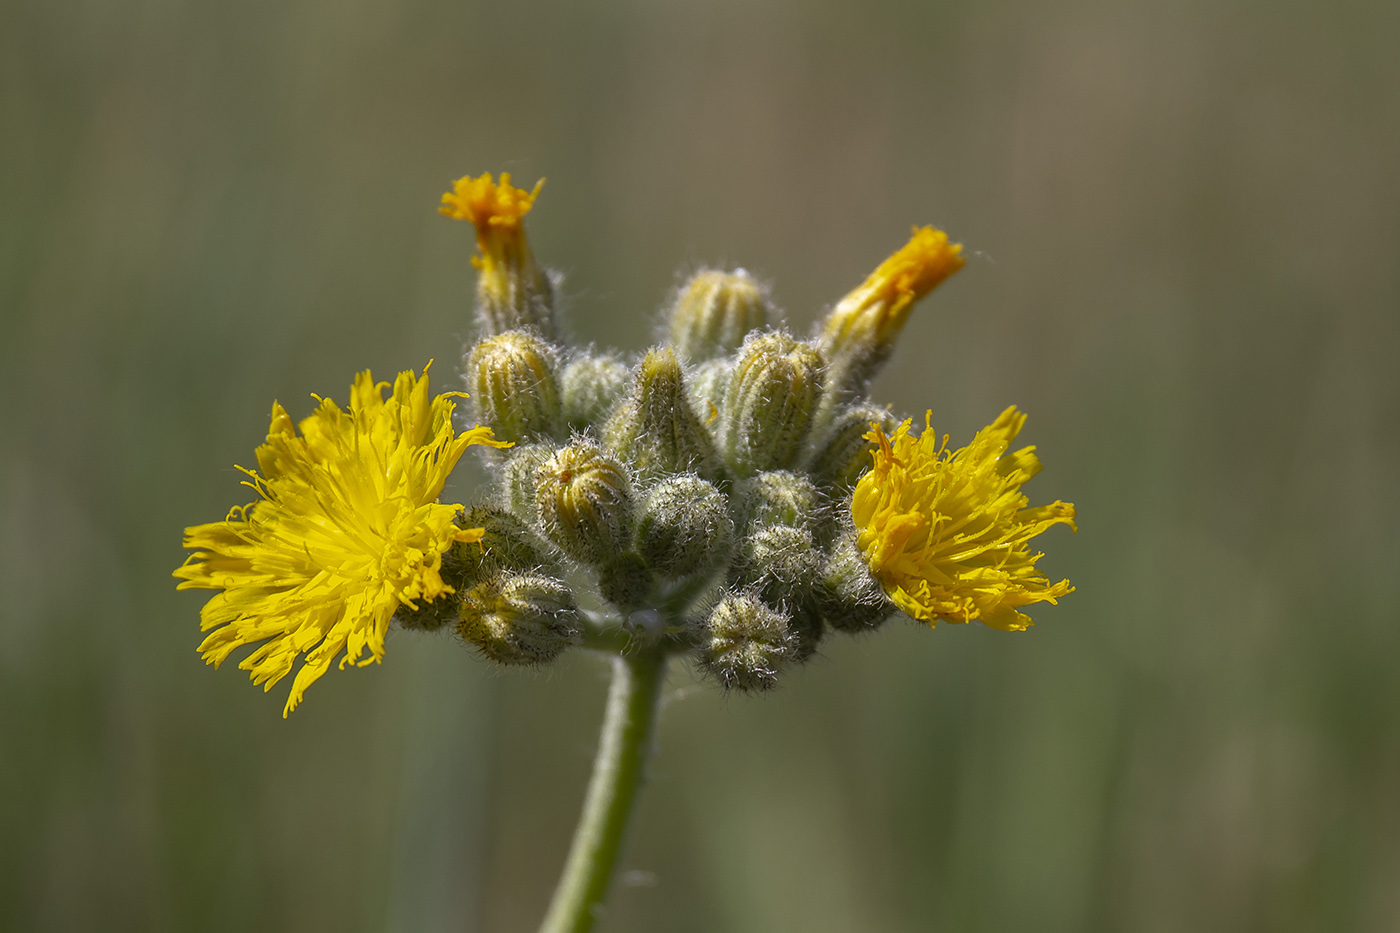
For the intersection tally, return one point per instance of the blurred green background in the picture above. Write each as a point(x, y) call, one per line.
point(1184, 224)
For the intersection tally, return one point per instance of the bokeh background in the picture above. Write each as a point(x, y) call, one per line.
point(1184, 223)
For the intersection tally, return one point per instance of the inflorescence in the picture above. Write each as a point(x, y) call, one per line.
point(731, 495)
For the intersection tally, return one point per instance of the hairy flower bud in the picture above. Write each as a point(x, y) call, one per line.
point(592, 384)
point(777, 497)
point(714, 311)
point(768, 408)
point(746, 643)
point(780, 563)
point(518, 478)
point(626, 581)
point(684, 527)
point(584, 501)
point(708, 384)
point(514, 386)
point(656, 431)
point(507, 545)
point(520, 619)
point(841, 453)
point(850, 599)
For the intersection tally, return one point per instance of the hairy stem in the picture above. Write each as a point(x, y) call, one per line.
point(623, 749)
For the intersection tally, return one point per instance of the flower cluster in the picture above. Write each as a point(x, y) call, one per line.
point(731, 494)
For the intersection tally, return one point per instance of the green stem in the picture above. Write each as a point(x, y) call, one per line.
point(623, 750)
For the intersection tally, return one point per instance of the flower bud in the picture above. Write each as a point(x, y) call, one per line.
point(708, 384)
point(626, 581)
point(512, 290)
point(584, 501)
point(746, 643)
point(841, 453)
point(850, 599)
point(518, 478)
point(520, 618)
point(780, 563)
point(507, 545)
point(514, 386)
point(592, 385)
point(778, 497)
point(714, 311)
point(684, 528)
point(768, 408)
point(656, 431)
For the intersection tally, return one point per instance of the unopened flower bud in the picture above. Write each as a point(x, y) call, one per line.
point(507, 545)
point(684, 527)
point(584, 501)
point(746, 644)
point(841, 453)
point(708, 384)
point(714, 311)
point(592, 384)
point(518, 478)
point(780, 563)
point(514, 386)
point(656, 431)
point(850, 599)
point(520, 619)
point(769, 406)
point(512, 290)
point(778, 497)
point(626, 581)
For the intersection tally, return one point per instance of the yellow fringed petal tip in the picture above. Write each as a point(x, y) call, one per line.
point(488, 204)
point(947, 533)
point(347, 529)
point(875, 312)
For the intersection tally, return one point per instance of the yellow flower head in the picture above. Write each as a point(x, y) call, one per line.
point(947, 533)
point(874, 313)
point(512, 290)
point(498, 213)
point(348, 528)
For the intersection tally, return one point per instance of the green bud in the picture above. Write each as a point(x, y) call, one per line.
point(708, 383)
point(656, 431)
point(684, 528)
point(518, 477)
point(514, 386)
point(778, 497)
point(626, 581)
point(592, 385)
point(805, 622)
point(714, 311)
point(584, 502)
point(746, 644)
point(520, 619)
point(768, 408)
point(780, 563)
point(841, 454)
point(508, 545)
point(849, 597)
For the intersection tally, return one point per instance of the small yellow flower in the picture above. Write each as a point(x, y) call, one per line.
point(348, 529)
point(498, 213)
point(871, 317)
point(947, 533)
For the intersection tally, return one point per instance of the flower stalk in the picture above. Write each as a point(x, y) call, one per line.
point(619, 769)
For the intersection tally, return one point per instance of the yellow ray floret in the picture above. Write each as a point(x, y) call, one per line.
point(947, 533)
point(498, 213)
point(874, 313)
point(348, 528)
